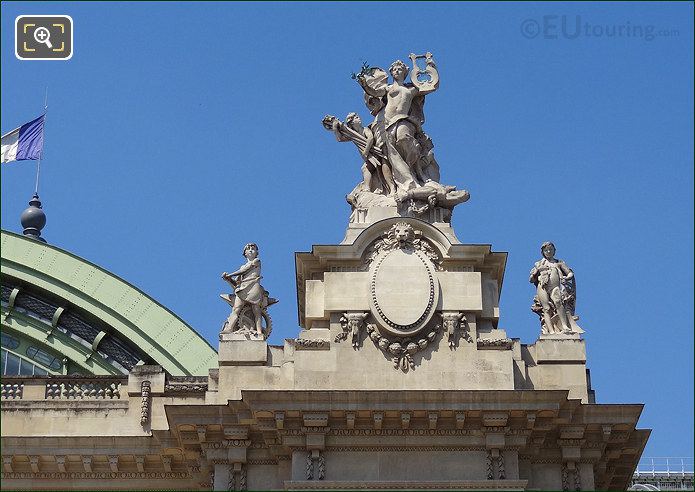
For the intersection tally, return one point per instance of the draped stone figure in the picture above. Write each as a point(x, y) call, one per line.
point(250, 300)
point(556, 294)
point(408, 149)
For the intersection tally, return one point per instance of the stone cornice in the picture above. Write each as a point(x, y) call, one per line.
point(94, 475)
point(410, 485)
point(416, 399)
point(401, 448)
point(226, 443)
point(405, 432)
point(63, 405)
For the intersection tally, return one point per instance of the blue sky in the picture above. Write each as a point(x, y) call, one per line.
point(180, 131)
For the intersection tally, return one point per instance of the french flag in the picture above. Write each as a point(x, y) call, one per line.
point(25, 142)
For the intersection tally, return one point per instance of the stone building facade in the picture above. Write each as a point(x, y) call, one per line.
point(339, 406)
point(399, 378)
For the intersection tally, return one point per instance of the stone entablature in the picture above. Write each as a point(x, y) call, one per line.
point(509, 440)
point(367, 388)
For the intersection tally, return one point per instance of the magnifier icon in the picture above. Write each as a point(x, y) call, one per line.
point(43, 35)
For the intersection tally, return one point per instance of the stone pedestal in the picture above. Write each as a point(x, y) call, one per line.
point(237, 349)
point(559, 362)
point(560, 351)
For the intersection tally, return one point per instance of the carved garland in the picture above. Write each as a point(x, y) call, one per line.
point(185, 388)
point(145, 389)
point(322, 466)
point(402, 349)
point(307, 344)
point(315, 455)
point(576, 485)
point(505, 343)
point(495, 456)
point(309, 466)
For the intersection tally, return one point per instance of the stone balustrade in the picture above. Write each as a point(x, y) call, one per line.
point(11, 390)
point(108, 388)
point(63, 387)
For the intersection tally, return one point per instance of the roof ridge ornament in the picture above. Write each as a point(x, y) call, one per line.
point(33, 219)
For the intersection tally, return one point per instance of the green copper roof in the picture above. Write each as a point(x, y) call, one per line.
point(124, 310)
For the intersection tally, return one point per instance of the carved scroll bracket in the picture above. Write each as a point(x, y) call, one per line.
point(145, 389)
point(570, 476)
point(315, 465)
point(352, 324)
point(455, 323)
point(495, 465)
point(237, 476)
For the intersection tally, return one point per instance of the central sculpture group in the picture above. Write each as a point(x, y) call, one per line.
point(399, 170)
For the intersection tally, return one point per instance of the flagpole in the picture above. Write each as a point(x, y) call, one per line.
point(38, 163)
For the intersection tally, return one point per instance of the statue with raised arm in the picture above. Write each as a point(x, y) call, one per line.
point(250, 300)
point(399, 169)
point(408, 149)
point(556, 294)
